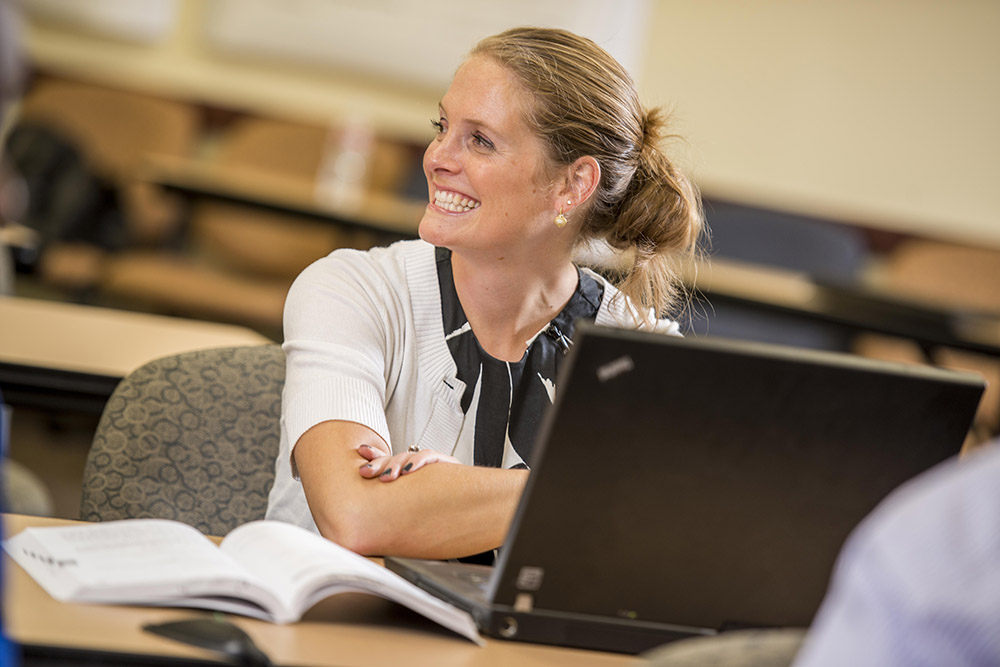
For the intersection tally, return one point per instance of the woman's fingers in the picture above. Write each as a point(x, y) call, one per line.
point(390, 468)
point(422, 458)
point(371, 452)
point(377, 460)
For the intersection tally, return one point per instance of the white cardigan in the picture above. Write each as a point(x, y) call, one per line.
point(365, 342)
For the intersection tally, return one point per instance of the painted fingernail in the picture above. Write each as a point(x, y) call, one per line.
point(407, 467)
point(387, 471)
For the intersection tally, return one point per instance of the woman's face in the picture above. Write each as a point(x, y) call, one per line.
point(489, 182)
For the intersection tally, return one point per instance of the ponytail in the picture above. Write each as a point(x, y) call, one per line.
point(655, 224)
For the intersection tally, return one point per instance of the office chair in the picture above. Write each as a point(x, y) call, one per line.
point(191, 437)
point(22, 491)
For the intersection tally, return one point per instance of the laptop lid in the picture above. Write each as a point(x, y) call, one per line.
point(709, 484)
point(712, 483)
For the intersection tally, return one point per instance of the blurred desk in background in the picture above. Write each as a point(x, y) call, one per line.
point(858, 308)
point(272, 191)
point(66, 356)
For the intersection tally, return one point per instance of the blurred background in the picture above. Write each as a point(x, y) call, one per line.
point(190, 157)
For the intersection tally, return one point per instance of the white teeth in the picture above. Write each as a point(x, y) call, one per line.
point(456, 203)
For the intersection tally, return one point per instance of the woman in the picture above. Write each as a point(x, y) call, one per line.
point(418, 373)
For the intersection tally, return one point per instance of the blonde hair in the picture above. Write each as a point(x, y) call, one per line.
point(585, 103)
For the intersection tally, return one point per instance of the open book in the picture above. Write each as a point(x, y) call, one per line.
point(269, 570)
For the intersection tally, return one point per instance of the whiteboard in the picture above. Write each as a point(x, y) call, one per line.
point(419, 43)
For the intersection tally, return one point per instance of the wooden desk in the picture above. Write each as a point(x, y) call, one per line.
point(858, 308)
point(378, 211)
point(68, 356)
point(344, 630)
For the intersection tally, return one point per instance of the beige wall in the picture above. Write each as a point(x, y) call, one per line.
point(882, 112)
point(877, 111)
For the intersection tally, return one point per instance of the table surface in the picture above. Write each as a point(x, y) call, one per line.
point(103, 341)
point(70, 357)
point(348, 629)
point(858, 308)
point(374, 210)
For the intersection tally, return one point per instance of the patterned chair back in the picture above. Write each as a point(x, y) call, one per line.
point(191, 437)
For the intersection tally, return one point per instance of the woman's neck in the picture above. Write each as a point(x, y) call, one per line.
point(507, 304)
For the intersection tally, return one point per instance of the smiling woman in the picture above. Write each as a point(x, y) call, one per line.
point(418, 374)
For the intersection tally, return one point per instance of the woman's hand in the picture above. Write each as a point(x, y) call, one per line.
point(387, 467)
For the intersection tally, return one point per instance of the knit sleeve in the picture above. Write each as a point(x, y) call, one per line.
point(339, 338)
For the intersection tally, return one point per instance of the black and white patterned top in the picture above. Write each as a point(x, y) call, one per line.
point(504, 401)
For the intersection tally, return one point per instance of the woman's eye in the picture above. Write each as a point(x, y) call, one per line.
point(438, 125)
point(482, 141)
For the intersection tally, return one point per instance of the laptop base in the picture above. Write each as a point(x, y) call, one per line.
point(578, 631)
point(538, 626)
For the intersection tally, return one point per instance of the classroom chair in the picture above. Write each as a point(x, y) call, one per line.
point(22, 491)
point(191, 437)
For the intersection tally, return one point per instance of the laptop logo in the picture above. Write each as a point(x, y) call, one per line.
point(613, 369)
point(529, 578)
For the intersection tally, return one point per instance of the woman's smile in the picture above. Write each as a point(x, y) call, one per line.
point(454, 202)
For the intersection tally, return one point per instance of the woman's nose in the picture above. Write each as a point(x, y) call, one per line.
point(441, 153)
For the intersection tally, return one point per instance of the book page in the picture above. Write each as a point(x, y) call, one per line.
point(137, 560)
point(304, 568)
point(292, 560)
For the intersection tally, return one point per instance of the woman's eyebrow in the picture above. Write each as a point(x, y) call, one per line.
point(481, 124)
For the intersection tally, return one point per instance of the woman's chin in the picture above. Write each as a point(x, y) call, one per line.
point(435, 229)
point(427, 231)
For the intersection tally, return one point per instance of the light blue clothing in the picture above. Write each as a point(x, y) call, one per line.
point(918, 583)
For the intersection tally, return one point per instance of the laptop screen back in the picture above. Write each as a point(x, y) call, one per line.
point(712, 483)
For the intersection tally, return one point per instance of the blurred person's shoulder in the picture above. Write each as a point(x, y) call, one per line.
point(961, 482)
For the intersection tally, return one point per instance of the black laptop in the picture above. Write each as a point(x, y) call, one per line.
point(685, 487)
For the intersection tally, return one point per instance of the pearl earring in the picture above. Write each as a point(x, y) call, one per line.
point(561, 219)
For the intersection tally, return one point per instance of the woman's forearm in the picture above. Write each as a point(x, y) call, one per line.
point(443, 510)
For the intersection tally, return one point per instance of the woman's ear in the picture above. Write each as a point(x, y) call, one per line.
point(582, 178)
